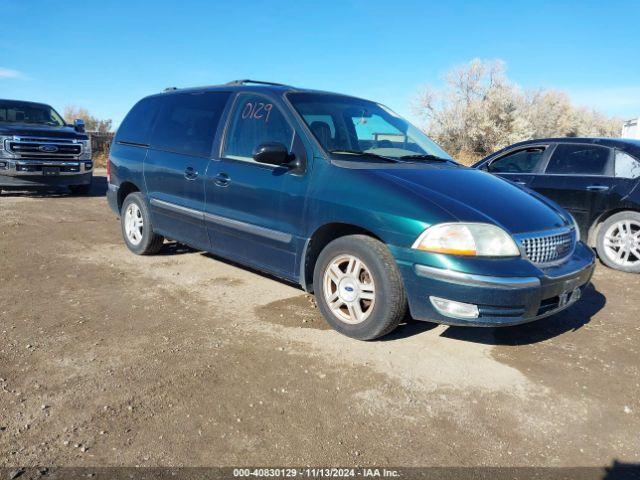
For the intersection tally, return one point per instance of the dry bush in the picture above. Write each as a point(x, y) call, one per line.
point(92, 124)
point(100, 159)
point(480, 111)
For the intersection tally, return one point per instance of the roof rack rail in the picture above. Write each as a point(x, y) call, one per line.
point(258, 82)
point(170, 89)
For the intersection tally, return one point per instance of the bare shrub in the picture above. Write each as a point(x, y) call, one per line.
point(480, 110)
point(92, 124)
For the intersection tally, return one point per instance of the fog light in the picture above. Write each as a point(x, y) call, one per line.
point(88, 165)
point(449, 308)
point(575, 295)
point(3, 165)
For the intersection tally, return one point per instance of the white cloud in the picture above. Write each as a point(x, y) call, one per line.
point(8, 73)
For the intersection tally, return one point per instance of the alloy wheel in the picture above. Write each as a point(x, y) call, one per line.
point(349, 289)
point(622, 243)
point(133, 223)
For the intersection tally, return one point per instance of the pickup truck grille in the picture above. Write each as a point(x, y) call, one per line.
point(550, 248)
point(32, 148)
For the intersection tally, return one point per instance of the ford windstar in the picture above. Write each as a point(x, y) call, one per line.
point(345, 198)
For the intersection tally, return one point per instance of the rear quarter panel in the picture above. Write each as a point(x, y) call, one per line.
point(127, 163)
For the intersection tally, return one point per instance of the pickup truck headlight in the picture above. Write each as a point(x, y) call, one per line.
point(469, 239)
point(4, 153)
point(86, 150)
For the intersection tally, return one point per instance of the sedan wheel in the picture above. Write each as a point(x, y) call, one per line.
point(622, 243)
point(618, 242)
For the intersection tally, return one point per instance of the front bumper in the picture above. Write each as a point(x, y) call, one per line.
point(44, 173)
point(501, 300)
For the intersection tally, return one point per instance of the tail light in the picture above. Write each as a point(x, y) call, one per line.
point(108, 170)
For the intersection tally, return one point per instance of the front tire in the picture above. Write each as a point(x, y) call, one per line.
point(618, 242)
point(137, 229)
point(358, 287)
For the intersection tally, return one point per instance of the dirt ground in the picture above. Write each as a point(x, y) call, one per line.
point(107, 358)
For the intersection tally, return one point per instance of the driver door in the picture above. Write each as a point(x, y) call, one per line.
point(254, 212)
point(520, 165)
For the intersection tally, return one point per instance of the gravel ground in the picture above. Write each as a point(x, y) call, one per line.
point(109, 359)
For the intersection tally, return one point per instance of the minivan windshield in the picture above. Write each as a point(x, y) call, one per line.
point(12, 111)
point(351, 126)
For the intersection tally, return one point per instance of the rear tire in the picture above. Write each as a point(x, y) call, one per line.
point(137, 229)
point(618, 242)
point(358, 287)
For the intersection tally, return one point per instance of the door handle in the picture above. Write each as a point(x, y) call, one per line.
point(222, 180)
point(190, 173)
point(598, 188)
point(520, 182)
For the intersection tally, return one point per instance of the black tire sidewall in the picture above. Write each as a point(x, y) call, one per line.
point(628, 215)
point(389, 288)
point(147, 230)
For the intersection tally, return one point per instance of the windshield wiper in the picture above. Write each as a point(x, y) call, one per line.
point(366, 154)
point(425, 156)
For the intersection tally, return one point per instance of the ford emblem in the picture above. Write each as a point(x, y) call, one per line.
point(48, 148)
point(349, 289)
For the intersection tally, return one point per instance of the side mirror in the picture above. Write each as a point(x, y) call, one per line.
point(272, 154)
point(79, 125)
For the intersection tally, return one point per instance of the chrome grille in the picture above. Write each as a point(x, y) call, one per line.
point(549, 248)
point(34, 148)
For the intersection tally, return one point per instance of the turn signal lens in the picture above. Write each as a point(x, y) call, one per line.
point(468, 239)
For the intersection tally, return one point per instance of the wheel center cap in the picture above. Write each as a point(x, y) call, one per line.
point(348, 289)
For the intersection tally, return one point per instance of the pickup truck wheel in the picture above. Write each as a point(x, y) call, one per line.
point(358, 287)
point(618, 242)
point(80, 189)
point(137, 229)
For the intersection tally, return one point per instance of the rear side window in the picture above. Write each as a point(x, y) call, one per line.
point(571, 159)
point(256, 120)
point(187, 123)
point(626, 165)
point(136, 127)
point(522, 161)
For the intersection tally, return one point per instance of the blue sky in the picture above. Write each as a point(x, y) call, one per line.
point(106, 55)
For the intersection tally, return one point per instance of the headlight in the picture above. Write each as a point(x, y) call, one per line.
point(86, 149)
point(575, 225)
point(470, 239)
point(4, 153)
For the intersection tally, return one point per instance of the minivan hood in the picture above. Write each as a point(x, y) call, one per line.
point(471, 195)
point(40, 131)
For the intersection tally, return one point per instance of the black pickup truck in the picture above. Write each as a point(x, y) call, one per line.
point(38, 149)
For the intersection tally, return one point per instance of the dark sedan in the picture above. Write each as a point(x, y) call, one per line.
point(595, 179)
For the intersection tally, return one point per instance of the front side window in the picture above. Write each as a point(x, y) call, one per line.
point(344, 124)
point(255, 120)
point(522, 161)
point(30, 113)
point(626, 166)
point(576, 159)
point(187, 122)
